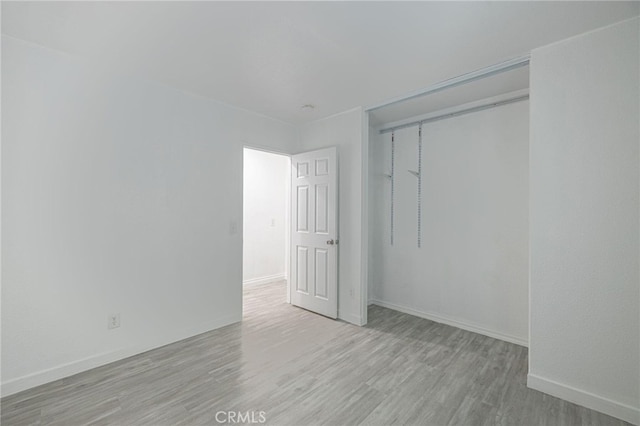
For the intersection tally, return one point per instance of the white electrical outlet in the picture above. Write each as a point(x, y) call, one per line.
point(113, 321)
point(273, 222)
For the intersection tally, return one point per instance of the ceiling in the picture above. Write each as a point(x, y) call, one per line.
point(274, 57)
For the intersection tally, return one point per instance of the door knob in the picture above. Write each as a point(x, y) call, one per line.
point(330, 242)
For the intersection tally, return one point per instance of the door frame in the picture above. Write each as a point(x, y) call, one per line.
point(287, 225)
point(363, 147)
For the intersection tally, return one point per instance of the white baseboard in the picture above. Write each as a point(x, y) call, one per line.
point(586, 399)
point(263, 280)
point(69, 369)
point(452, 322)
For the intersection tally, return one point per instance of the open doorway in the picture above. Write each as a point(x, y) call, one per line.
point(266, 205)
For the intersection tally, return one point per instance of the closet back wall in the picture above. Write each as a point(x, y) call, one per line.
point(472, 268)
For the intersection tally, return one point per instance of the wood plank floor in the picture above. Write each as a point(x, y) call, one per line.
point(303, 369)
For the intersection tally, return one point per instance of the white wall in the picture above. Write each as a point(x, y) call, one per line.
point(118, 195)
point(472, 268)
point(585, 284)
point(346, 132)
point(265, 205)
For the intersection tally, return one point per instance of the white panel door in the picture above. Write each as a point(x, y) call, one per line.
point(314, 233)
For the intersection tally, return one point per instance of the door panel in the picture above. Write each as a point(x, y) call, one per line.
point(302, 203)
point(322, 209)
point(321, 272)
point(302, 264)
point(314, 236)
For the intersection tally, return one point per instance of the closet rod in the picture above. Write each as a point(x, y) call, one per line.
point(455, 114)
point(511, 64)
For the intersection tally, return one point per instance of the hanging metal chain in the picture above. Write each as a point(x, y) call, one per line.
point(419, 185)
point(393, 160)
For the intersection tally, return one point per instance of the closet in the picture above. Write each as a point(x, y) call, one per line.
point(448, 191)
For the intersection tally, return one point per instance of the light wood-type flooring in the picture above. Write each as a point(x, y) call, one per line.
point(299, 368)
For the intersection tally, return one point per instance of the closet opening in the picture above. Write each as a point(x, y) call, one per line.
point(448, 202)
